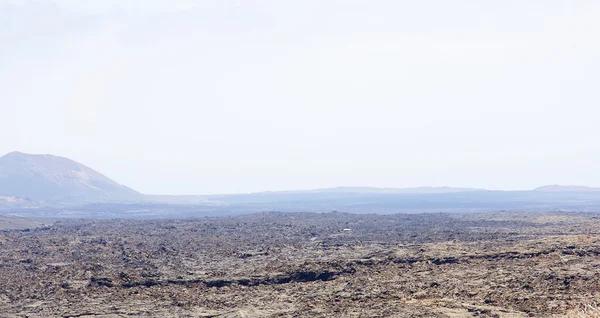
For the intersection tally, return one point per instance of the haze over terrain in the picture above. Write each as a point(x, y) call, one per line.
point(208, 97)
point(314, 158)
point(53, 186)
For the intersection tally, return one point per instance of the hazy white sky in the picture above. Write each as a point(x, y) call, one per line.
point(221, 96)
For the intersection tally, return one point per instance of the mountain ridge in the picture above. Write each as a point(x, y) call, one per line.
point(565, 188)
point(46, 181)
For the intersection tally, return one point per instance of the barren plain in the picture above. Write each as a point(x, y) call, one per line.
point(542, 264)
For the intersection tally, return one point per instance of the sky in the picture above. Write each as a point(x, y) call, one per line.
point(207, 96)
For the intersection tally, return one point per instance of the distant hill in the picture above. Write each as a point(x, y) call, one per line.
point(422, 190)
point(560, 188)
point(49, 178)
point(52, 186)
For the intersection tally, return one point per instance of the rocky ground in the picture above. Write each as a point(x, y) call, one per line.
point(306, 265)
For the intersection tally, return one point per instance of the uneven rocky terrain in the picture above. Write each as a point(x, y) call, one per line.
point(305, 265)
